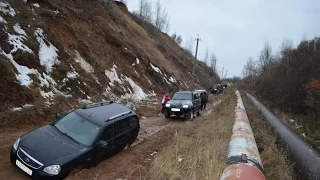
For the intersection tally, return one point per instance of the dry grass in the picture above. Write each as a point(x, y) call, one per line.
point(202, 145)
point(302, 126)
point(275, 160)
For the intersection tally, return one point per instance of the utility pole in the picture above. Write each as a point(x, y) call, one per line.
point(194, 65)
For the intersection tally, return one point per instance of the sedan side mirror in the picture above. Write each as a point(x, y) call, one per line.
point(102, 143)
point(58, 115)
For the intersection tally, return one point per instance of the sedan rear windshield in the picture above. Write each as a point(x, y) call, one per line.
point(77, 128)
point(182, 96)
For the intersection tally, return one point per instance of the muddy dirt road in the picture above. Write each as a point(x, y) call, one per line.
point(156, 133)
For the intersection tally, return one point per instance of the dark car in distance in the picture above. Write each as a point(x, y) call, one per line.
point(216, 89)
point(183, 103)
point(80, 139)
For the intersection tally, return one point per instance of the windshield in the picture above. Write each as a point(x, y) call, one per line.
point(77, 128)
point(182, 96)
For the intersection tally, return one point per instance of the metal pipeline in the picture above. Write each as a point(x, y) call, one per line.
point(306, 158)
point(243, 161)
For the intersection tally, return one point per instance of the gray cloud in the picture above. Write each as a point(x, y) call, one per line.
point(235, 30)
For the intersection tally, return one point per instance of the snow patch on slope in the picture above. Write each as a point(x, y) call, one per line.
point(137, 62)
point(166, 80)
point(47, 53)
point(2, 20)
point(36, 5)
point(47, 95)
point(16, 41)
point(83, 63)
point(19, 30)
point(16, 109)
point(73, 74)
point(138, 93)
point(20, 108)
point(113, 76)
point(23, 71)
point(6, 8)
point(135, 93)
point(45, 79)
point(85, 101)
point(172, 79)
point(156, 69)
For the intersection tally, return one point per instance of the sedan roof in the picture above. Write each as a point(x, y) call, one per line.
point(100, 114)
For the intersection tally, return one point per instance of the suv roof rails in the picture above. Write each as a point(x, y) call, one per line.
point(97, 104)
point(116, 116)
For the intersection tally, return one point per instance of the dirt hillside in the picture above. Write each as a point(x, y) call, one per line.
point(61, 53)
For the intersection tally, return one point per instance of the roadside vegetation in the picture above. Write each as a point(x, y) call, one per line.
point(274, 159)
point(288, 83)
point(199, 151)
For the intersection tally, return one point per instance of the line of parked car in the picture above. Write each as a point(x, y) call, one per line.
point(218, 88)
point(186, 104)
point(84, 137)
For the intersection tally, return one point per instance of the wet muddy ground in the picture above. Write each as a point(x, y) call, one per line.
point(155, 134)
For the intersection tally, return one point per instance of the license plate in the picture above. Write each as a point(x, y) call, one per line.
point(175, 109)
point(24, 168)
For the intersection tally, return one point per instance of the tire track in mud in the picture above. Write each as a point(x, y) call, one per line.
point(134, 163)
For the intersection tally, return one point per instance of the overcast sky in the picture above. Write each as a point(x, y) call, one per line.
point(237, 29)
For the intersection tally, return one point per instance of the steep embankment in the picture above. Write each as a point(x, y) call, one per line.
point(65, 52)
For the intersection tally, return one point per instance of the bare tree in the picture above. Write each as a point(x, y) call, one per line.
point(189, 45)
point(161, 20)
point(213, 59)
point(145, 10)
point(206, 58)
point(167, 25)
point(286, 48)
point(177, 38)
point(265, 58)
point(250, 69)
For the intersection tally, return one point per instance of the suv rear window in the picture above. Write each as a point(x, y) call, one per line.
point(108, 133)
point(182, 96)
point(124, 125)
point(133, 121)
point(121, 126)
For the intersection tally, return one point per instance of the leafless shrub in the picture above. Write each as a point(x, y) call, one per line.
point(161, 20)
point(145, 10)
